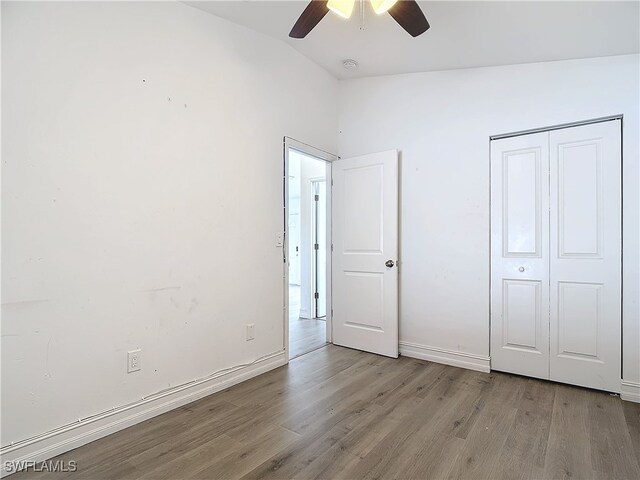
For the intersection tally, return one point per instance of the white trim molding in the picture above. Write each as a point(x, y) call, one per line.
point(292, 144)
point(448, 357)
point(61, 440)
point(630, 391)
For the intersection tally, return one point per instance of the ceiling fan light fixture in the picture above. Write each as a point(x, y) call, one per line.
point(406, 13)
point(344, 8)
point(381, 6)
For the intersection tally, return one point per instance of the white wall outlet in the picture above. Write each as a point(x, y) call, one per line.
point(134, 359)
point(280, 239)
point(250, 331)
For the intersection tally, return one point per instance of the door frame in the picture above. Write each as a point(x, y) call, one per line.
point(298, 251)
point(549, 129)
point(315, 182)
point(308, 150)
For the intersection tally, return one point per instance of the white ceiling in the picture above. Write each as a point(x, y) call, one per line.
point(463, 34)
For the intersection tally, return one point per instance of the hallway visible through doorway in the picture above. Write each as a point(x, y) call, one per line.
point(305, 334)
point(307, 246)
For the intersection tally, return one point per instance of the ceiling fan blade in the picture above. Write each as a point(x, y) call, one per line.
point(315, 11)
point(409, 16)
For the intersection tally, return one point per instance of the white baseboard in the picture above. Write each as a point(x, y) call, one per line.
point(56, 442)
point(630, 391)
point(448, 357)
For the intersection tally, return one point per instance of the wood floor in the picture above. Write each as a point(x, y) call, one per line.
point(305, 334)
point(342, 414)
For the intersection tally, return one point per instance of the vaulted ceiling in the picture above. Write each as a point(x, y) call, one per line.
point(463, 34)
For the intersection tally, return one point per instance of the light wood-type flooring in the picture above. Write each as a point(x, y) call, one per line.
point(338, 413)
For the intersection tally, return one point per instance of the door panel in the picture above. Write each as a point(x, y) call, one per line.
point(367, 311)
point(579, 202)
point(363, 212)
point(585, 301)
point(519, 251)
point(365, 236)
point(521, 313)
point(521, 197)
point(579, 313)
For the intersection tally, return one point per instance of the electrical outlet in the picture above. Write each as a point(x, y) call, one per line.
point(250, 331)
point(134, 358)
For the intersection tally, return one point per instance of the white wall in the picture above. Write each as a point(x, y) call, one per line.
point(141, 197)
point(441, 122)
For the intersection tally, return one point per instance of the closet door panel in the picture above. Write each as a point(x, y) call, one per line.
point(519, 255)
point(585, 252)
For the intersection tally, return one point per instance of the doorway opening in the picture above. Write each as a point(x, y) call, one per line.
point(307, 235)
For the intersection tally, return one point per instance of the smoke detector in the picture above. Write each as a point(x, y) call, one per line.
point(350, 64)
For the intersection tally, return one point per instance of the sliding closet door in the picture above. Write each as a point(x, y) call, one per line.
point(585, 249)
point(520, 255)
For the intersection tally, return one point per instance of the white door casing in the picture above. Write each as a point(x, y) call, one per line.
point(294, 248)
point(558, 272)
point(520, 255)
point(585, 245)
point(320, 253)
point(365, 237)
point(291, 147)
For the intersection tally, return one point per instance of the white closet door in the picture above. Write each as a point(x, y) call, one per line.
point(585, 290)
point(520, 255)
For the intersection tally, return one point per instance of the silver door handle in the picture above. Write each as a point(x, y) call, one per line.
point(389, 263)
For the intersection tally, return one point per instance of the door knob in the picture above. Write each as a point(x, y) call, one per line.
point(521, 269)
point(389, 263)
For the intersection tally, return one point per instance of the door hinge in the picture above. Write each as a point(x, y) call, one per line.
point(332, 247)
point(316, 246)
point(316, 295)
point(316, 197)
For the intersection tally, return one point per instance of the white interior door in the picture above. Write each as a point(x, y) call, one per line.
point(365, 252)
point(520, 255)
point(585, 165)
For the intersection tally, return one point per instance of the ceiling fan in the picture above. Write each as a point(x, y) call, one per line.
point(406, 12)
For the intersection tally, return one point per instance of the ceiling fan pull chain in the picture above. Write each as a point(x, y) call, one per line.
point(361, 14)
